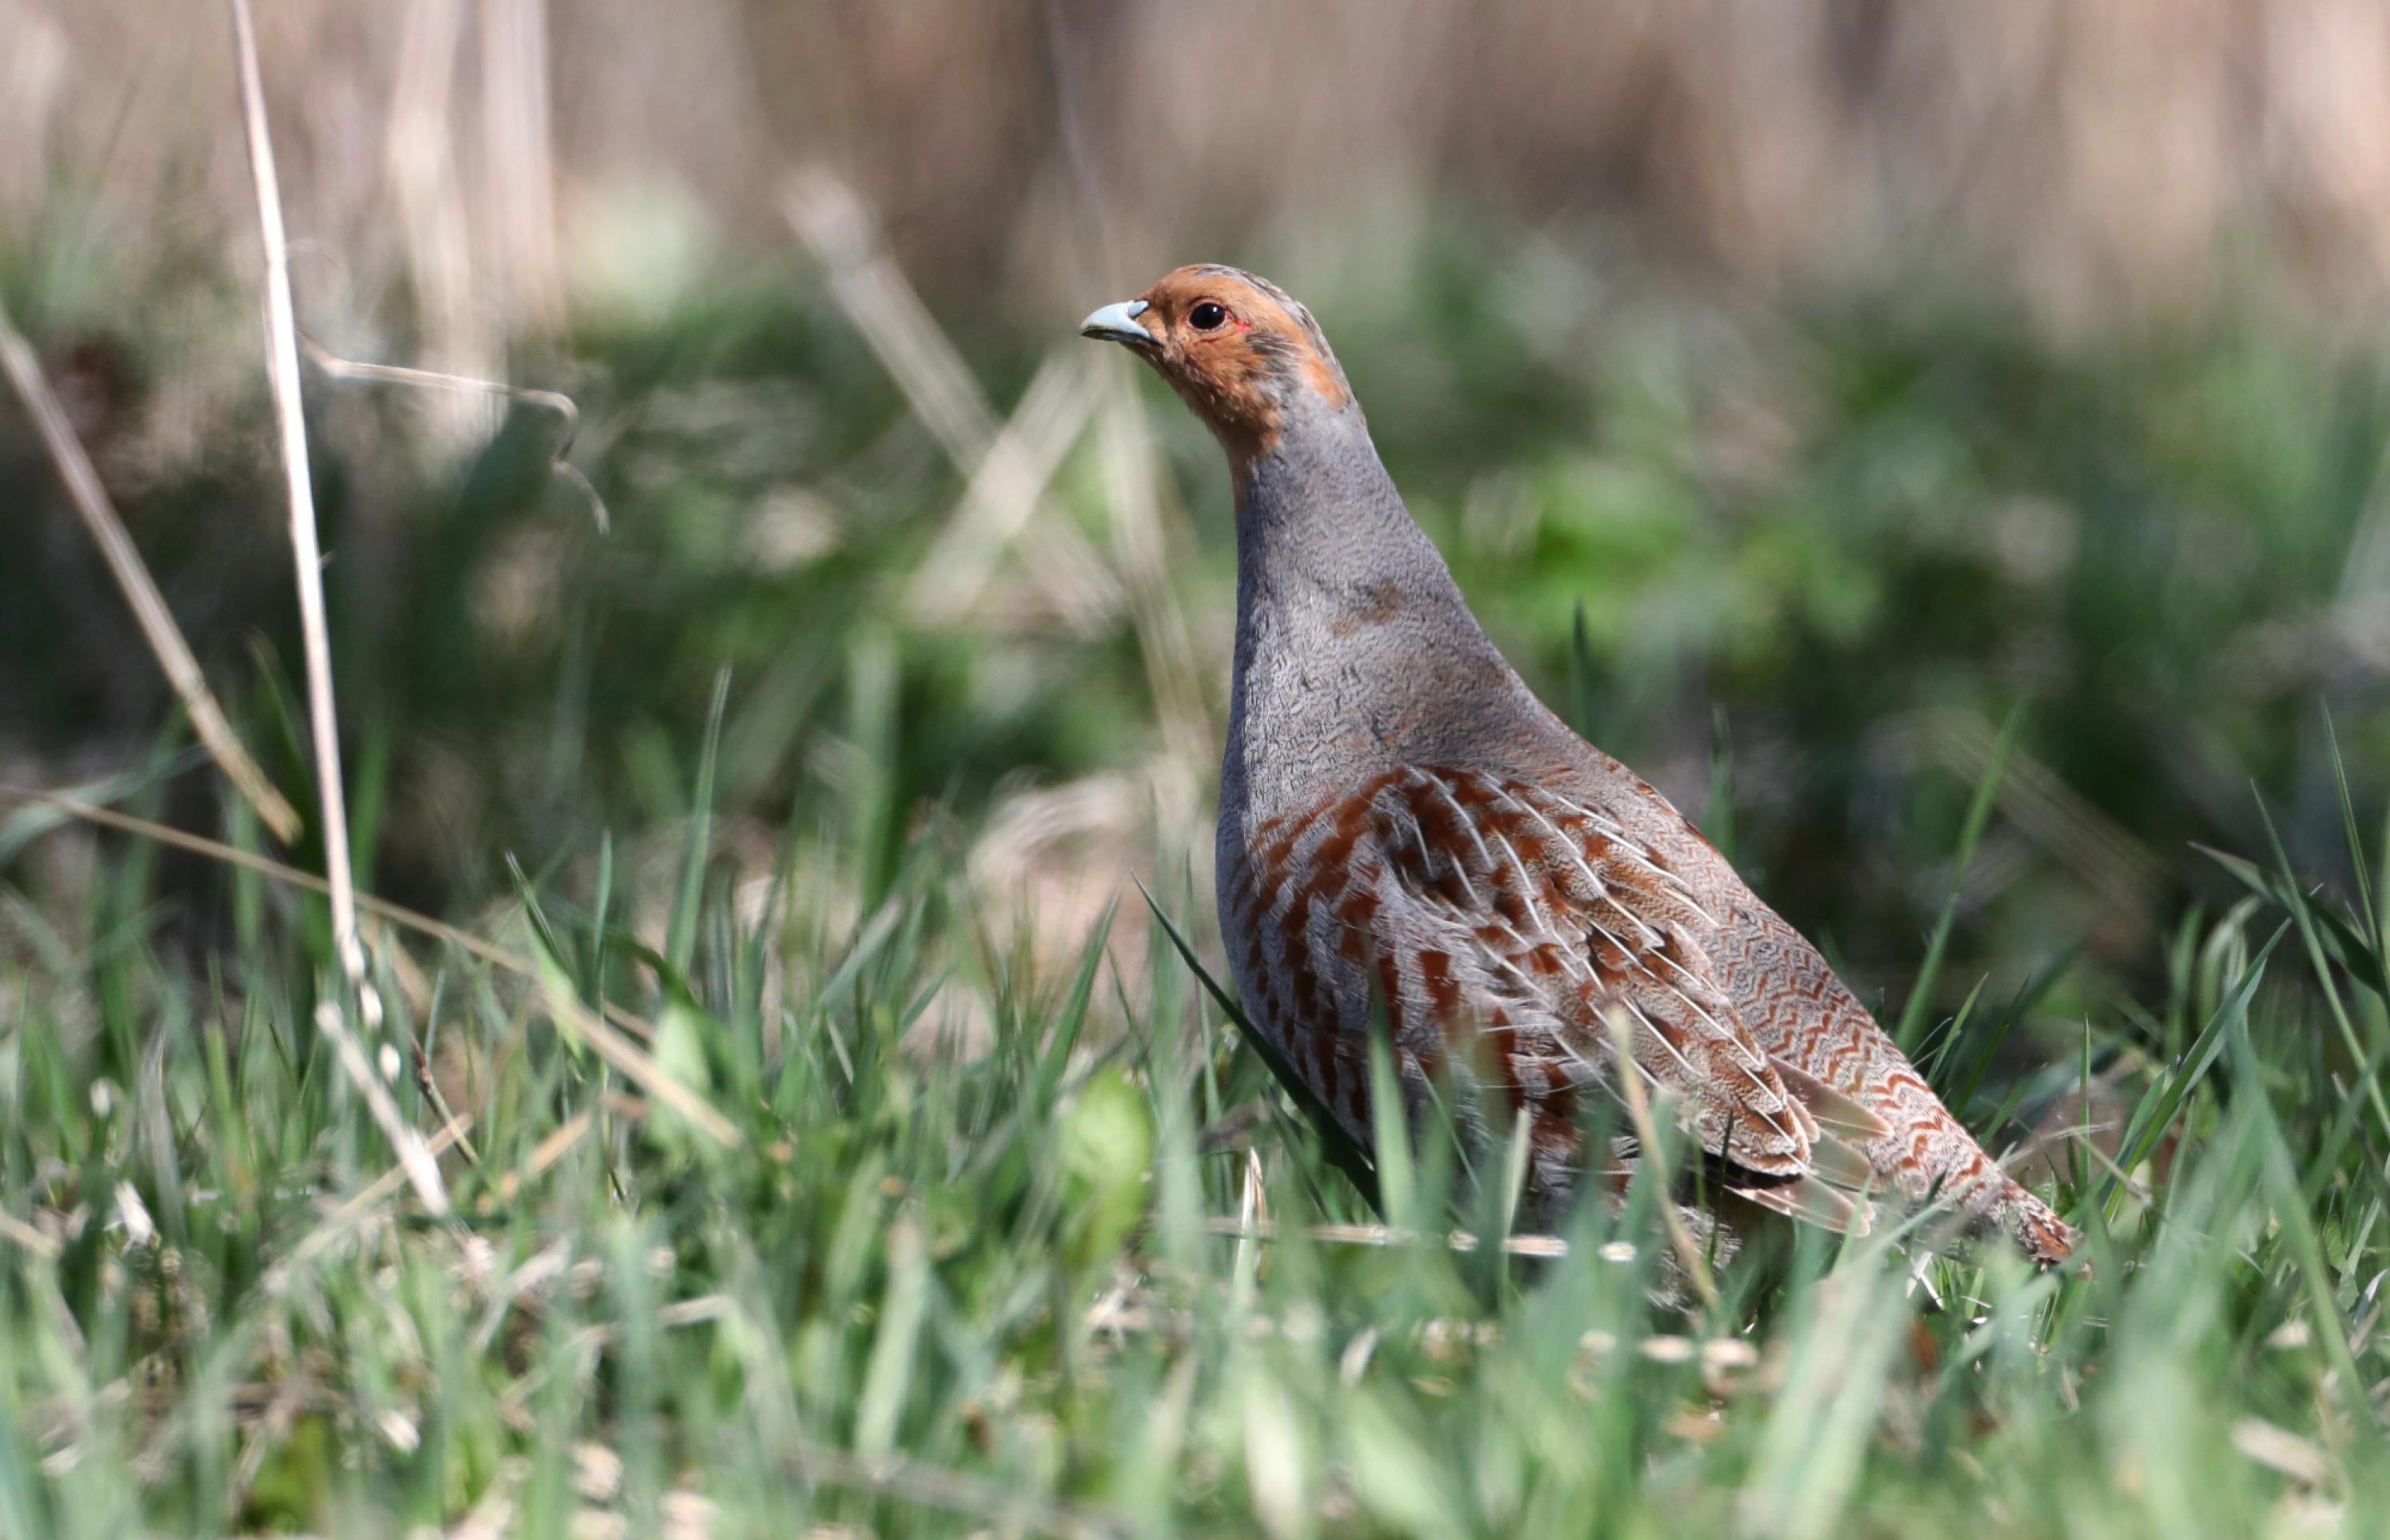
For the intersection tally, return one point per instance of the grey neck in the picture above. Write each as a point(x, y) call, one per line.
point(1319, 516)
point(1355, 650)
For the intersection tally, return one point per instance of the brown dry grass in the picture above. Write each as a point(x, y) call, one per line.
point(481, 163)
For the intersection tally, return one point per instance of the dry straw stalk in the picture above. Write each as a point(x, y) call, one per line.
point(91, 500)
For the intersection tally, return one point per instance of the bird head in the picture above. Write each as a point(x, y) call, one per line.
point(1241, 351)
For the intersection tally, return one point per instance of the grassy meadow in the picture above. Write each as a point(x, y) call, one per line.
point(783, 798)
point(988, 1222)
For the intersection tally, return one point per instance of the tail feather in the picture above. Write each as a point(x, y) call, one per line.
point(1934, 1159)
point(1816, 1201)
point(1845, 1114)
point(1912, 1147)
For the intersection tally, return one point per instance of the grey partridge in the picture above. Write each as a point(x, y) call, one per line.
point(1408, 836)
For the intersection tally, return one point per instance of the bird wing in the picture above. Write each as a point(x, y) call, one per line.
point(1547, 928)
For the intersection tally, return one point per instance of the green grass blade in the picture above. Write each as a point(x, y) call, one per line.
point(1340, 1148)
point(2164, 1100)
point(681, 935)
point(1979, 814)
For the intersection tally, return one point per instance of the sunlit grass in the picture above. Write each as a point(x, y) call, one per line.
point(967, 1277)
point(954, 1234)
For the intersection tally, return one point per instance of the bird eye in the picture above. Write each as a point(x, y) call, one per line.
point(1207, 317)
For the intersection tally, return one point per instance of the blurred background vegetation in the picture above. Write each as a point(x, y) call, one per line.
point(1802, 391)
point(1852, 374)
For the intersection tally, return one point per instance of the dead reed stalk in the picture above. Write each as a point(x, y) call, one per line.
point(91, 500)
point(282, 374)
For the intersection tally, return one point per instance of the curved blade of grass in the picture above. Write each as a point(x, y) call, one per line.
point(1582, 671)
point(2165, 1101)
point(2371, 916)
point(2305, 912)
point(2297, 1220)
point(1071, 1021)
point(681, 937)
point(1965, 1080)
point(2349, 948)
point(1342, 1152)
point(1979, 812)
point(613, 1046)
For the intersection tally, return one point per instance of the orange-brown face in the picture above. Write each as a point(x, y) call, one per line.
point(1242, 352)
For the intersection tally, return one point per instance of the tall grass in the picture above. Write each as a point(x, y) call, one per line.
point(798, 1183)
point(1039, 1272)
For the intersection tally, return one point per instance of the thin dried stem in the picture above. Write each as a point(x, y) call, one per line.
point(1069, 574)
point(1007, 485)
point(17, 1232)
point(360, 1203)
point(872, 290)
point(1242, 1230)
point(91, 500)
point(1638, 1110)
point(414, 1155)
point(452, 300)
point(627, 1060)
point(434, 379)
point(282, 374)
point(518, 200)
point(571, 1015)
point(1252, 1213)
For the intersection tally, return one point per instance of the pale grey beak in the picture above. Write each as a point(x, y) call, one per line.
point(1117, 323)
